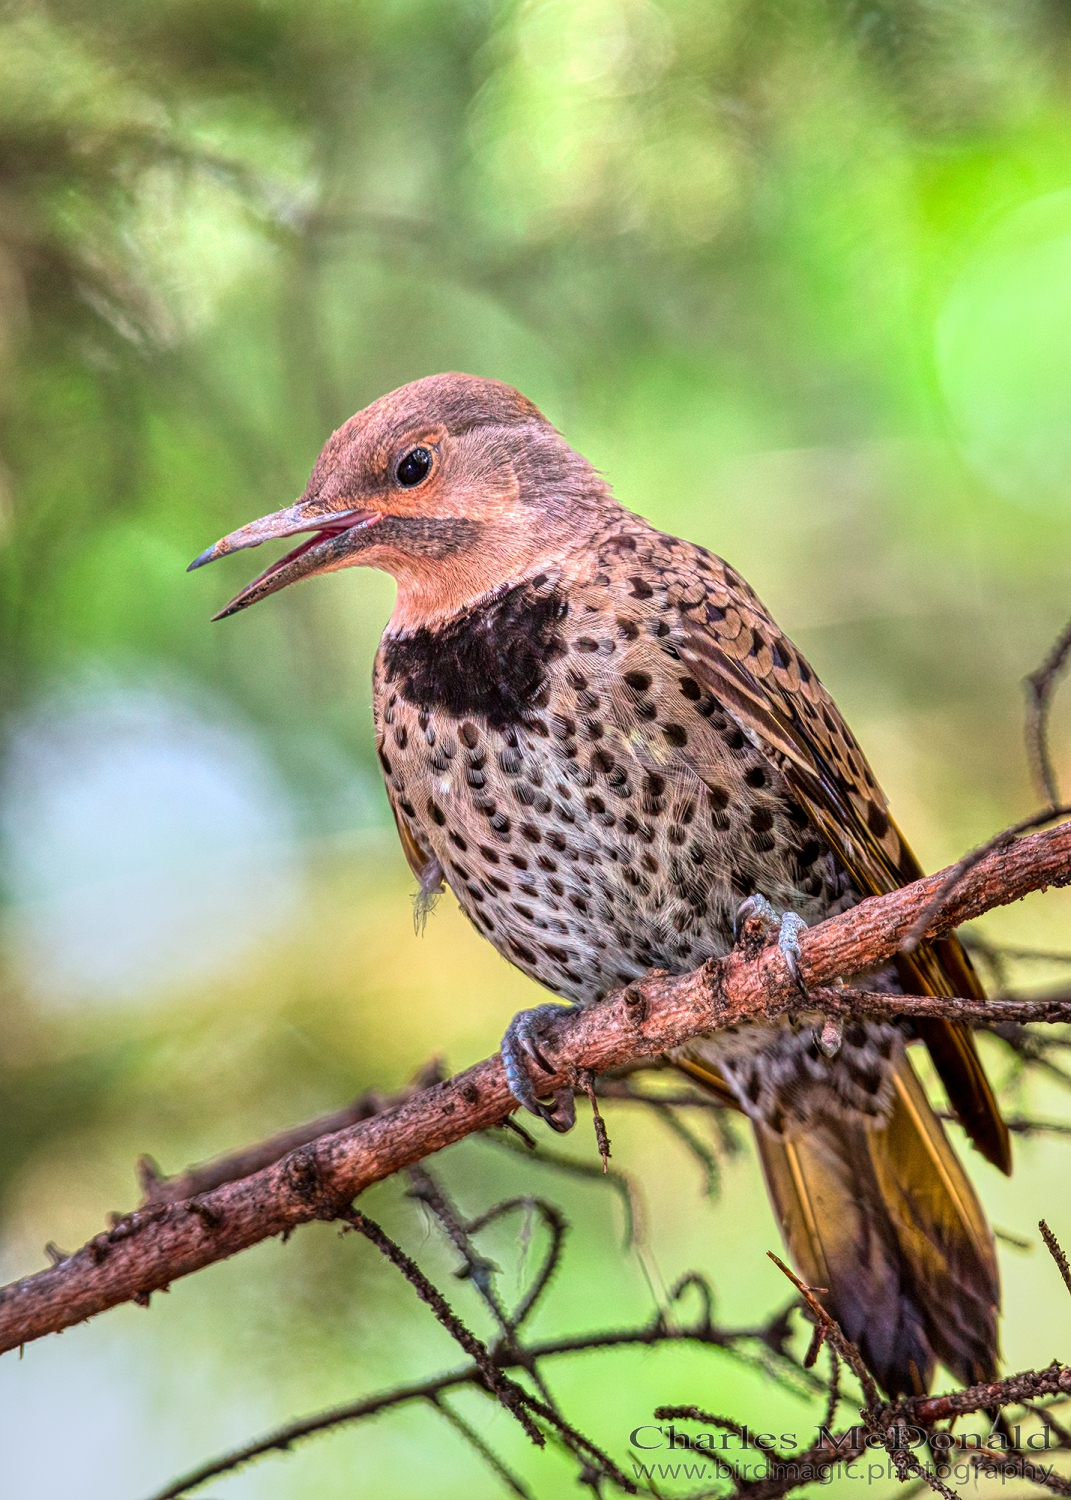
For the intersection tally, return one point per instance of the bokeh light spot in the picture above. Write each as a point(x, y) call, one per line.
point(146, 844)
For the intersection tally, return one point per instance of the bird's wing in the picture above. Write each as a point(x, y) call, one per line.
point(731, 649)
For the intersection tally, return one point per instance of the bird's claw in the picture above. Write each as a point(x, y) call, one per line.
point(521, 1050)
point(755, 908)
point(788, 928)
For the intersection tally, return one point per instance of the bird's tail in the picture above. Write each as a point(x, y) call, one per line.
point(886, 1219)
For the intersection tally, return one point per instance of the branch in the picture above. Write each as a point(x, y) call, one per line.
point(650, 1335)
point(153, 1246)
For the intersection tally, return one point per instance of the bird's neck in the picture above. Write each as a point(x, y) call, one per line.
point(560, 546)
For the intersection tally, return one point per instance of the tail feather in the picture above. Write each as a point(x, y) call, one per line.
point(887, 1221)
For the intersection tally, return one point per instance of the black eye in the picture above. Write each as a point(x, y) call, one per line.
point(415, 466)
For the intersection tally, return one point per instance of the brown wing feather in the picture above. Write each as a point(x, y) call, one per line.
point(887, 1221)
point(737, 652)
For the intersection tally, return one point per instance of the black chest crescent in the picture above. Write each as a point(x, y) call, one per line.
point(490, 662)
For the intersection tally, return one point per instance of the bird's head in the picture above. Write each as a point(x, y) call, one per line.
point(456, 486)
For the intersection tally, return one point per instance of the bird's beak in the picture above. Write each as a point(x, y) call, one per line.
point(337, 534)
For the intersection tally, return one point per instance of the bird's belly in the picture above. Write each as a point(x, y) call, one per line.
point(586, 869)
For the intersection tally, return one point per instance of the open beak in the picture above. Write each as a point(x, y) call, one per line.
point(336, 535)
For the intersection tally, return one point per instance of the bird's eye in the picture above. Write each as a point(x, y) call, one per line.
point(415, 466)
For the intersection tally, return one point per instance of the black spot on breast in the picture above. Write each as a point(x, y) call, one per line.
point(489, 662)
point(690, 688)
point(762, 819)
point(629, 629)
point(756, 776)
point(641, 589)
point(676, 734)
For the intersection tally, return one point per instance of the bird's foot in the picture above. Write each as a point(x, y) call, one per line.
point(788, 928)
point(521, 1052)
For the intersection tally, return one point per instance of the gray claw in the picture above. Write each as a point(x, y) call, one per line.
point(788, 941)
point(520, 1050)
point(755, 906)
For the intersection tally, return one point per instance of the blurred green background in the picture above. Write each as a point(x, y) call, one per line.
point(796, 277)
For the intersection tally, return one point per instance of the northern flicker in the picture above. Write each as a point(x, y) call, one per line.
point(596, 735)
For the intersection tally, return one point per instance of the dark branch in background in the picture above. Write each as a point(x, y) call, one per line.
point(762, 1348)
point(891, 1425)
point(315, 1171)
point(1040, 686)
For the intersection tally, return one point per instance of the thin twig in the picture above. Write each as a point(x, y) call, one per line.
point(1040, 686)
point(935, 907)
point(586, 1079)
point(1056, 1251)
point(512, 1396)
point(474, 1440)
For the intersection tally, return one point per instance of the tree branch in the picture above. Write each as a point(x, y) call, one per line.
point(153, 1246)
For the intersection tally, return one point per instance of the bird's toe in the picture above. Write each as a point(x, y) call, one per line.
point(521, 1052)
point(788, 941)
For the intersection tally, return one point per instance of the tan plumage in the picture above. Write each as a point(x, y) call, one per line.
point(596, 735)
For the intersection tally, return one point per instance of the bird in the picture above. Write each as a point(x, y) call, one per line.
point(595, 734)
